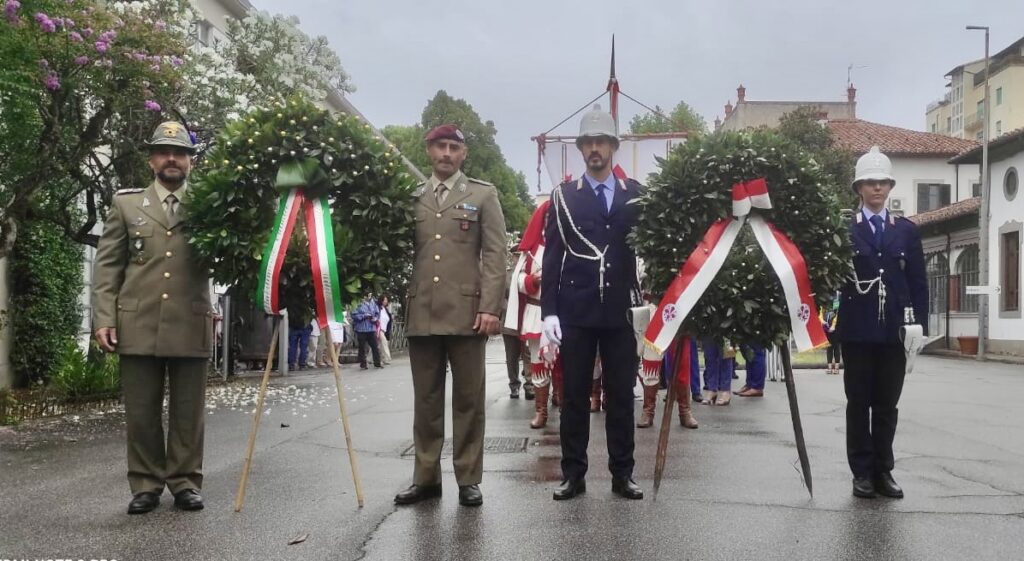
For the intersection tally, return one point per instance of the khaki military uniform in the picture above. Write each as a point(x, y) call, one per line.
point(147, 285)
point(458, 271)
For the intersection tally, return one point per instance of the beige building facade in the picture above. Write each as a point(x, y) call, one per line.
point(961, 114)
point(747, 114)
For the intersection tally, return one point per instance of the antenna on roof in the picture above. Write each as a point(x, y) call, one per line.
point(849, 74)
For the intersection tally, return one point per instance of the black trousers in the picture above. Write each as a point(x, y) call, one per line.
point(364, 339)
point(619, 362)
point(873, 381)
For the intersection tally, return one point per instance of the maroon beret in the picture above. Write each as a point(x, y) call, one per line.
point(450, 132)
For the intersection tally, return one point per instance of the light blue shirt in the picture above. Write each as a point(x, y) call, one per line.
point(868, 214)
point(610, 182)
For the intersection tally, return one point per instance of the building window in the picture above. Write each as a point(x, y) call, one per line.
point(976, 189)
point(203, 31)
point(1010, 257)
point(999, 96)
point(937, 266)
point(1010, 184)
point(931, 196)
point(978, 136)
point(966, 275)
point(934, 127)
point(999, 128)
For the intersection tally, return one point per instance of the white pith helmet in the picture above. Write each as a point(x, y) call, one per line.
point(598, 123)
point(873, 165)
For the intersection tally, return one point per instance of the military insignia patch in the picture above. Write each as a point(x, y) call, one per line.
point(171, 130)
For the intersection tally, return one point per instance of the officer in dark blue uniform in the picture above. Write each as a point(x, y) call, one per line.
point(588, 285)
point(887, 291)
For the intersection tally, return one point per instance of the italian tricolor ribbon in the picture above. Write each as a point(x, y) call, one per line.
point(707, 259)
point(302, 184)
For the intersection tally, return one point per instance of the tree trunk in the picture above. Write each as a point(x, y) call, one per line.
point(6, 374)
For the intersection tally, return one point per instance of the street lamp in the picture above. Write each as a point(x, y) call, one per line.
point(983, 213)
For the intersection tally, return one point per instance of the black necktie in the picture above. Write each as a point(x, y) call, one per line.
point(603, 200)
point(879, 224)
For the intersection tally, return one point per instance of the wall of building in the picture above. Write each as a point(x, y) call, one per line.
point(911, 171)
point(1009, 114)
point(753, 114)
point(1006, 215)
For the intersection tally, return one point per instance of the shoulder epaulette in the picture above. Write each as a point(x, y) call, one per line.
point(480, 181)
point(128, 191)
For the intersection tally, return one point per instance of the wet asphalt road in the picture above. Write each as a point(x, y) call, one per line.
point(732, 488)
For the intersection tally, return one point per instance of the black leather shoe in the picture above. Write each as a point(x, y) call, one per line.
point(528, 393)
point(863, 488)
point(513, 393)
point(627, 488)
point(143, 503)
point(886, 486)
point(189, 499)
point(569, 489)
point(470, 495)
point(417, 493)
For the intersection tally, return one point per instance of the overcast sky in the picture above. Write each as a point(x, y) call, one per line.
point(527, 64)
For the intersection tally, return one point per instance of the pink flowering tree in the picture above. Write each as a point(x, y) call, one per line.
point(81, 87)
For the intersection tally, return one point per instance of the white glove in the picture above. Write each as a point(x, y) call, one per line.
point(553, 330)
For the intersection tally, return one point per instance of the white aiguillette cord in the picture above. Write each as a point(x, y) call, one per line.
point(864, 287)
point(598, 255)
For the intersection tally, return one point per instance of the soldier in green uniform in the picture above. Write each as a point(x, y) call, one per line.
point(455, 296)
point(151, 305)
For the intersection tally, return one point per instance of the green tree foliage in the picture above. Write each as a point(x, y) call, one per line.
point(683, 118)
point(745, 302)
point(484, 161)
point(46, 280)
point(804, 128)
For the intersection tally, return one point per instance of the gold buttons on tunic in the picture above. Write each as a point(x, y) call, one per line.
point(438, 215)
point(437, 279)
point(167, 275)
point(165, 296)
point(169, 233)
point(437, 258)
point(437, 236)
point(137, 233)
point(169, 254)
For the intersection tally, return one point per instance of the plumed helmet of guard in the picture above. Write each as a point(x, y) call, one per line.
point(598, 123)
point(873, 165)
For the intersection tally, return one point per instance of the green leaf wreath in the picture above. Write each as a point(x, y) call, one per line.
point(745, 302)
point(233, 203)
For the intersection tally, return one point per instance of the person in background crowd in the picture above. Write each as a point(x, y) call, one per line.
point(384, 329)
point(834, 352)
point(719, 365)
point(299, 330)
point(367, 319)
point(756, 359)
point(313, 360)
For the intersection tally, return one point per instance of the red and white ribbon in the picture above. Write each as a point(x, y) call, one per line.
point(703, 264)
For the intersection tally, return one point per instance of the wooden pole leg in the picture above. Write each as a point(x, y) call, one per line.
point(240, 495)
point(344, 419)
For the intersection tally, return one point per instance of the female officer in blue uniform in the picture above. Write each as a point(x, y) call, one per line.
point(887, 290)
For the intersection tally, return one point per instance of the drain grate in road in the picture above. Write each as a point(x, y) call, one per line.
point(492, 445)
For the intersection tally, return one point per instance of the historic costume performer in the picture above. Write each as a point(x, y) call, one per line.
point(589, 282)
point(524, 296)
point(886, 297)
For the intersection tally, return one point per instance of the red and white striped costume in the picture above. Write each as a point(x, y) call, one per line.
point(524, 296)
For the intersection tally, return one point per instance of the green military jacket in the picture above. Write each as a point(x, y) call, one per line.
point(146, 283)
point(459, 259)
